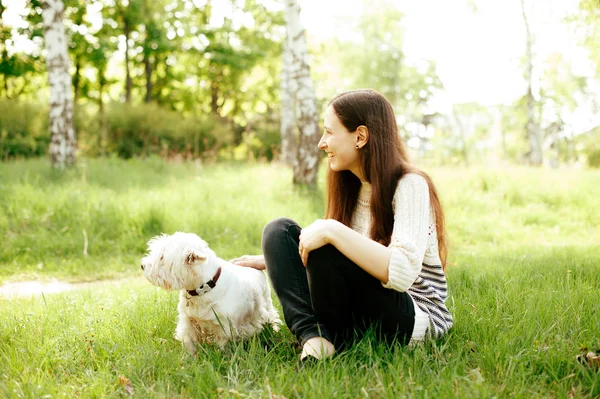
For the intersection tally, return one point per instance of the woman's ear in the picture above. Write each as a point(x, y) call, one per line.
point(362, 136)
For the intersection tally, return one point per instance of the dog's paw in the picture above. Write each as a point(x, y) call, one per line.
point(191, 348)
point(275, 325)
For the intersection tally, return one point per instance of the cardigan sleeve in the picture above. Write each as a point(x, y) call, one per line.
point(410, 234)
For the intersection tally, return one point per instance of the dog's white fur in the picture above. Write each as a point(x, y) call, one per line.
point(237, 307)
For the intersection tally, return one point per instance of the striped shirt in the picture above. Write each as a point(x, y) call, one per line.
point(430, 292)
point(415, 265)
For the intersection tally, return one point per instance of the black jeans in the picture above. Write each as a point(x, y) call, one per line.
point(332, 297)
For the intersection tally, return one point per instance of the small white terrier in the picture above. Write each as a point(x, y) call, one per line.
point(218, 301)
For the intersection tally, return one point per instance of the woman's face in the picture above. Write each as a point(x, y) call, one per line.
point(339, 144)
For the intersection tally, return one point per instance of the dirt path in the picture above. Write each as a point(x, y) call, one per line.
point(33, 288)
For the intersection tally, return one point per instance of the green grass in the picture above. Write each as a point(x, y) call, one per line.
point(524, 281)
point(45, 216)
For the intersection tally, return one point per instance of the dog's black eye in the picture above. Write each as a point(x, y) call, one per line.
point(142, 266)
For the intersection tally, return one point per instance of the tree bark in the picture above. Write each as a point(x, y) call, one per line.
point(4, 57)
point(76, 79)
point(148, 70)
point(306, 163)
point(103, 128)
point(159, 82)
point(6, 86)
point(288, 119)
point(214, 98)
point(535, 154)
point(128, 81)
point(101, 83)
point(463, 137)
point(62, 143)
point(215, 92)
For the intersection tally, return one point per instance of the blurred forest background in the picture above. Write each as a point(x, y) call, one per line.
point(201, 79)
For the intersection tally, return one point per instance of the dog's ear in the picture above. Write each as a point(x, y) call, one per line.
point(193, 255)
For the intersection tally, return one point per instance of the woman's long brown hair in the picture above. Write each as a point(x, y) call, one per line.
point(384, 160)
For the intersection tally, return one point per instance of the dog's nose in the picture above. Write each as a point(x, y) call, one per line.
point(142, 266)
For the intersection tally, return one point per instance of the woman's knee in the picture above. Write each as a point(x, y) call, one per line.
point(321, 260)
point(329, 260)
point(277, 230)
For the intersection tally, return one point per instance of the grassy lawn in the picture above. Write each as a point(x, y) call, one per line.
point(524, 279)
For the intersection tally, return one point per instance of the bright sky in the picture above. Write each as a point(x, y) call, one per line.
point(478, 53)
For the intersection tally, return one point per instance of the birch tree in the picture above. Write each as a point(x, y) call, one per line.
point(535, 154)
point(302, 89)
point(288, 139)
point(62, 142)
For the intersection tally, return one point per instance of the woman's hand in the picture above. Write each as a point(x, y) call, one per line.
point(254, 261)
point(316, 235)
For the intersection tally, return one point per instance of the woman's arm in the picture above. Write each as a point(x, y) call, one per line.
point(369, 255)
point(254, 261)
point(396, 266)
point(412, 212)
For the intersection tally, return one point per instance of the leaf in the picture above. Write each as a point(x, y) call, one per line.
point(475, 375)
point(126, 384)
point(572, 392)
point(590, 359)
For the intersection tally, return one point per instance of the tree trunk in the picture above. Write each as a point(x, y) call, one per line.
point(159, 81)
point(4, 57)
point(62, 143)
point(148, 70)
point(504, 149)
point(463, 138)
point(5, 79)
point(214, 91)
point(535, 154)
point(287, 122)
point(101, 84)
point(103, 128)
point(76, 79)
point(306, 164)
point(128, 82)
point(570, 148)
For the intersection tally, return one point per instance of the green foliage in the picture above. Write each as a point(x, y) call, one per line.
point(523, 277)
point(148, 129)
point(23, 129)
point(200, 58)
point(261, 140)
point(589, 144)
point(16, 69)
point(136, 130)
point(593, 158)
point(181, 56)
point(378, 61)
point(586, 21)
point(373, 57)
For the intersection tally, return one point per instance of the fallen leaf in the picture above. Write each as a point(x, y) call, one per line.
point(126, 384)
point(591, 359)
point(475, 375)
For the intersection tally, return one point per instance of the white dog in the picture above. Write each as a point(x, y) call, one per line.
point(218, 301)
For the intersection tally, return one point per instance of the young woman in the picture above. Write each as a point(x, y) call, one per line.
point(377, 259)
